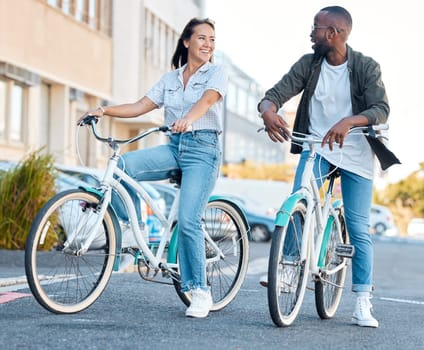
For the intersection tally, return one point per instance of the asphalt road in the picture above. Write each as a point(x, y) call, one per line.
point(134, 314)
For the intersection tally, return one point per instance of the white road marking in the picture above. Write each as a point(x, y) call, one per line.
point(404, 301)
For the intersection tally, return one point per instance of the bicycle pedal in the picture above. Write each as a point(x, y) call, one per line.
point(133, 251)
point(345, 250)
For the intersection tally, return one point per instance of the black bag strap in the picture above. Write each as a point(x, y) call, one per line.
point(383, 154)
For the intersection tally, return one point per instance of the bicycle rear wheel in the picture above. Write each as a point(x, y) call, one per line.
point(287, 272)
point(225, 275)
point(62, 279)
point(329, 288)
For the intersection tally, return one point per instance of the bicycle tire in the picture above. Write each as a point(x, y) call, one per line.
point(287, 273)
point(61, 280)
point(329, 288)
point(225, 277)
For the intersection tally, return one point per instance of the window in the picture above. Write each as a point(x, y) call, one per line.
point(79, 10)
point(44, 113)
point(242, 102)
point(155, 41)
point(92, 14)
point(13, 102)
point(95, 13)
point(232, 97)
point(17, 113)
point(3, 98)
point(163, 54)
point(54, 3)
point(252, 109)
point(66, 6)
point(160, 41)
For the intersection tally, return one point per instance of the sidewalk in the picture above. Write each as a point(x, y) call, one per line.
point(12, 267)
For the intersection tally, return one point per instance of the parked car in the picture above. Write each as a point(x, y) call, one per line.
point(63, 181)
point(167, 191)
point(261, 224)
point(416, 228)
point(92, 176)
point(381, 221)
point(261, 221)
point(6, 165)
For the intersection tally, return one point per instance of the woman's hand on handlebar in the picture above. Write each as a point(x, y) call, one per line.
point(276, 127)
point(182, 125)
point(98, 113)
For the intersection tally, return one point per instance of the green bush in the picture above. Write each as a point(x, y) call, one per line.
point(23, 191)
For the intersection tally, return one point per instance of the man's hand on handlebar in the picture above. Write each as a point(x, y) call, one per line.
point(338, 131)
point(276, 127)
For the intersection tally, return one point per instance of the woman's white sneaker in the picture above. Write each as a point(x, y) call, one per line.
point(201, 303)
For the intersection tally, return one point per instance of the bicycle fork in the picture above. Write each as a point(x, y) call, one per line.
point(100, 210)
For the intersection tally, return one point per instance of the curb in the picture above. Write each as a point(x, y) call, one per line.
point(12, 281)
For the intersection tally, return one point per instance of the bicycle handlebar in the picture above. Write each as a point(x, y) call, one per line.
point(92, 120)
point(368, 130)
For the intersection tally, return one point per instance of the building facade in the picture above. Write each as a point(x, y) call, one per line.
point(241, 140)
point(59, 58)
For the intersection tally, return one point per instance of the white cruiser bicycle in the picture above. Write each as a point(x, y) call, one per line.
point(310, 238)
point(74, 243)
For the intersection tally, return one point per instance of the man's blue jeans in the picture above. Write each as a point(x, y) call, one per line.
point(357, 196)
point(197, 154)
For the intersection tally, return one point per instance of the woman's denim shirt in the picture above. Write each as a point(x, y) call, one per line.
point(177, 101)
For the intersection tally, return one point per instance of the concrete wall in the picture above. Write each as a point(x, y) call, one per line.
point(42, 39)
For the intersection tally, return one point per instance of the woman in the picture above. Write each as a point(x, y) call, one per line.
point(192, 96)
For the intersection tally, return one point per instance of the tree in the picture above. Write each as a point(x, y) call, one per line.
point(405, 198)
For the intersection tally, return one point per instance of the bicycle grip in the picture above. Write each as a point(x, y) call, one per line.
point(380, 127)
point(88, 119)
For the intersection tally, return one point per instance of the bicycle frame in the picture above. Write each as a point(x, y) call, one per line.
point(315, 217)
point(317, 243)
point(76, 240)
point(111, 180)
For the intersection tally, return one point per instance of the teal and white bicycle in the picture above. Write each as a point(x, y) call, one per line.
point(75, 241)
point(310, 238)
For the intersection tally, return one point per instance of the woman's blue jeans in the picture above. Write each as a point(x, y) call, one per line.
point(357, 196)
point(197, 154)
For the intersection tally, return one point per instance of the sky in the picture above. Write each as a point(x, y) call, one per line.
point(264, 38)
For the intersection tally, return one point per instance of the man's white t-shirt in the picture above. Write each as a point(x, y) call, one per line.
point(330, 103)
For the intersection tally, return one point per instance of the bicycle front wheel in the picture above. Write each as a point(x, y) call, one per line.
point(329, 286)
point(226, 269)
point(63, 279)
point(287, 271)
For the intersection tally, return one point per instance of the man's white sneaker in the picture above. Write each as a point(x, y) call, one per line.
point(201, 303)
point(362, 314)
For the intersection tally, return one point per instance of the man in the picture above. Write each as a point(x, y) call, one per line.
point(341, 89)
